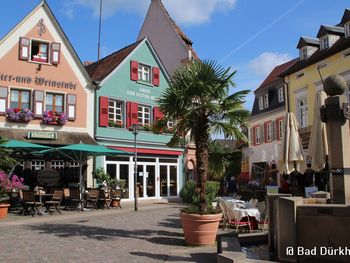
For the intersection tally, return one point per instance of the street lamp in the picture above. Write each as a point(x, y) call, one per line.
point(135, 131)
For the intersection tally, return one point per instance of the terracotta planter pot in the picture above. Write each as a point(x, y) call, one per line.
point(3, 210)
point(200, 229)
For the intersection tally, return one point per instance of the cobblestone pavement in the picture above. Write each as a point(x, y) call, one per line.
point(153, 234)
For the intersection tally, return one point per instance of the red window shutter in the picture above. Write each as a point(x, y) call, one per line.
point(55, 53)
point(156, 76)
point(72, 106)
point(3, 100)
point(134, 70)
point(103, 111)
point(132, 114)
point(157, 114)
point(24, 44)
point(38, 103)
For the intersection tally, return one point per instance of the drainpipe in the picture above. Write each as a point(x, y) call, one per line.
point(287, 94)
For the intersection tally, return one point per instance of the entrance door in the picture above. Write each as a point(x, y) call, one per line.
point(146, 180)
point(168, 180)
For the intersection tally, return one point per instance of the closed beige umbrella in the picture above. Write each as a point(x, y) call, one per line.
point(318, 145)
point(291, 148)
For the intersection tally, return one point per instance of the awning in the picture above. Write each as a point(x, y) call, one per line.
point(51, 138)
point(148, 151)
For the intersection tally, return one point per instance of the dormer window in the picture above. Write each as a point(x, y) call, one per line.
point(261, 103)
point(280, 95)
point(266, 101)
point(324, 42)
point(347, 29)
point(303, 53)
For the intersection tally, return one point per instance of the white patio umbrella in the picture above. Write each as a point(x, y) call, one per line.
point(292, 152)
point(292, 149)
point(318, 145)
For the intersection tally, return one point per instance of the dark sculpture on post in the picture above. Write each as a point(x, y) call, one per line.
point(336, 115)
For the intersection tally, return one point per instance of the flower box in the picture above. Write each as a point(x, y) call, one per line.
point(117, 124)
point(54, 118)
point(19, 115)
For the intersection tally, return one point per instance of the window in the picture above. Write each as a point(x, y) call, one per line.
point(20, 99)
point(261, 103)
point(38, 165)
point(39, 51)
point(269, 131)
point(115, 111)
point(57, 164)
point(266, 101)
point(299, 75)
point(144, 73)
point(302, 112)
point(170, 124)
point(257, 134)
point(54, 102)
point(74, 164)
point(280, 128)
point(324, 42)
point(280, 95)
point(144, 115)
point(347, 29)
point(303, 53)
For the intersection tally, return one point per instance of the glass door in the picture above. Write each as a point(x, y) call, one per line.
point(150, 180)
point(140, 179)
point(163, 176)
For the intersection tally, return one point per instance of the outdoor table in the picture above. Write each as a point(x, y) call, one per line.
point(234, 203)
point(243, 212)
point(41, 195)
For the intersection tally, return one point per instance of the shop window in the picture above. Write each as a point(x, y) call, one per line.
point(39, 51)
point(20, 99)
point(115, 113)
point(144, 73)
point(57, 164)
point(54, 102)
point(38, 165)
point(144, 115)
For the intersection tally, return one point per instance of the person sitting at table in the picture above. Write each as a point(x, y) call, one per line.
point(232, 187)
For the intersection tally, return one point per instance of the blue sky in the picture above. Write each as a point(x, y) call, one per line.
point(251, 36)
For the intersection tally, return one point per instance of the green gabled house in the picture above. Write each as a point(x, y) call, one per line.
point(129, 82)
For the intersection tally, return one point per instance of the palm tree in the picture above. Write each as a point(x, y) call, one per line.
point(197, 98)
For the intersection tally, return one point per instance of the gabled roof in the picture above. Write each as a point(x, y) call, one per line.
point(185, 39)
point(43, 4)
point(275, 73)
point(340, 45)
point(334, 30)
point(345, 18)
point(101, 69)
point(308, 41)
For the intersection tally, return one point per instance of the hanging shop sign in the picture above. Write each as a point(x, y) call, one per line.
point(39, 81)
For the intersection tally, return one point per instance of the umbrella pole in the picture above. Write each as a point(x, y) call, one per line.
point(294, 178)
point(81, 185)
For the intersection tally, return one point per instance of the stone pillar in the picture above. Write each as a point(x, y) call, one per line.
point(338, 137)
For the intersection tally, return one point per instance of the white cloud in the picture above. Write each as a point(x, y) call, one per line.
point(194, 12)
point(188, 12)
point(267, 61)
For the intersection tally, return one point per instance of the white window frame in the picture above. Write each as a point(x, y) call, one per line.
point(324, 42)
point(57, 164)
point(144, 115)
point(302, 111)
point(280, 95)
point(261, 103)
point(48, 44)
point(257, 134)
point(37, 165)
point(74, 164)
point(347, 29)
point(266, 100)
point(170, 124)
point(113, 110)
point(303, 53)
point(144, 73)
point(269, 132)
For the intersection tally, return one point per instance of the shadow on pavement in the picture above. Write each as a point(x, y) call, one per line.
point(193, 257)
point(105, 234)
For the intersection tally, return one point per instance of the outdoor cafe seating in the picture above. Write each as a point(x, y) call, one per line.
point(54, 203)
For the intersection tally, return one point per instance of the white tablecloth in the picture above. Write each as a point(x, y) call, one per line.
point(242, 212)
point(234, 203)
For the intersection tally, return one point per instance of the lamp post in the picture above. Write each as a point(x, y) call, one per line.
point(135, 131)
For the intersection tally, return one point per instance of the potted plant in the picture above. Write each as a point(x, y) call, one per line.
point(104, 178)
point(197, 98)
point(54, 117)
point(19, 115)
point(7, 185)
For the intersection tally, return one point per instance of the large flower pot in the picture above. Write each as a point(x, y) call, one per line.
point(3, 210)
point(200, 229)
